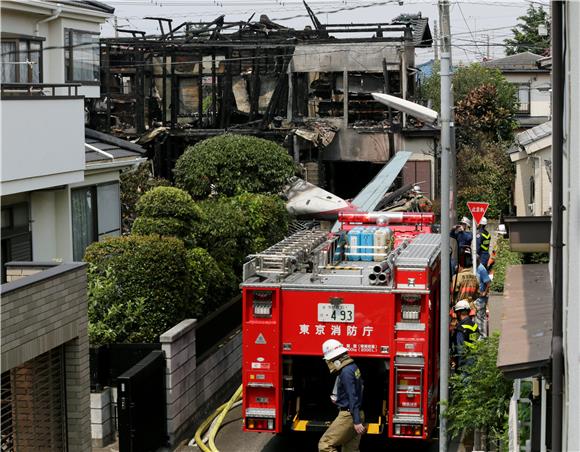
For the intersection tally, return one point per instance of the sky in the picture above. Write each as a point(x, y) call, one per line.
point(473, 22)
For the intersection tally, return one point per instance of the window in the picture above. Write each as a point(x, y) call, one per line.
point(21, 61)
point(523, 98)
point(96, 214)
point(16, 237)
point(81, 56)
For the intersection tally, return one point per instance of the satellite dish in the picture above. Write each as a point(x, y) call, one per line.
point(416, 110)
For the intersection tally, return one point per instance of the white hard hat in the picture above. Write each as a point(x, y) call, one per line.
point(483, 221)
point(462, 305)
point(332, 349)
point(465, 220)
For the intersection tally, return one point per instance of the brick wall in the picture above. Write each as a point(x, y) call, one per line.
point(191, 387)
point(41, 312)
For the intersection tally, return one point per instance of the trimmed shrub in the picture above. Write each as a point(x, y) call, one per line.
point(209, 284)
point(166, 211)
point(232, 228)
point(167, 202)
point(139, 286)
point(231, 164)
point(134, 183)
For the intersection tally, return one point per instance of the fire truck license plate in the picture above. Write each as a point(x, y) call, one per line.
point(343, 313)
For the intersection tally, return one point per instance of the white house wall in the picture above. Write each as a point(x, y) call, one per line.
point(42, 143)
point(539, 99)
point(51, 230)
point(98, 178)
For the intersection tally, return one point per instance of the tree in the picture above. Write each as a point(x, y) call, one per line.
point(134, 184)
point(166, 211)
point(232, 164)
point(485, 108)
point(526, 36)
point(484, 173)
point(480, 394)
point(465, 80)
point(482, 114)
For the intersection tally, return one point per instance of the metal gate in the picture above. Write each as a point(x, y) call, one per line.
point(33, 405)
point(141, 405)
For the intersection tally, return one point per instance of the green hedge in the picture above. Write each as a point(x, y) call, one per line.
point(232, 228)
point(210, 285)
point(232, 164)
point(139, 286)
point(166, 211)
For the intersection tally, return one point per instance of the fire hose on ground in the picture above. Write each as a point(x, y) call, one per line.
point(213, 424)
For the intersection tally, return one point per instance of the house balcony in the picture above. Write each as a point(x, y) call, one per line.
point(42, 136)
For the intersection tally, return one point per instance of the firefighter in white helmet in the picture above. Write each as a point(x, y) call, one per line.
point(466, 332)
point(347, 428)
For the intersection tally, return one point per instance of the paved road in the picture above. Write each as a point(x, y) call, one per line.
point(232, 439)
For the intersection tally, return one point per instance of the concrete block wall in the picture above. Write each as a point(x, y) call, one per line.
point(190, 385)
point(102, 419)
point(43, 311)
point(17, 270)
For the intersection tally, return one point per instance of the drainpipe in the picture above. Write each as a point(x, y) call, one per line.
point(56, 13)
point(557, 217)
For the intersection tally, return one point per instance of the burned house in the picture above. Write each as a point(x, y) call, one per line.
point(309, 90)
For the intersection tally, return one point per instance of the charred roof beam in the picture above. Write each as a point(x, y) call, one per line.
point(161, 20)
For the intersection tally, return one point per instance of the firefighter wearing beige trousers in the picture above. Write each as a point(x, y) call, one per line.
point(346, 430)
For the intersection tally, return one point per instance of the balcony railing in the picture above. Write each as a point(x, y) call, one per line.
point(38, 90)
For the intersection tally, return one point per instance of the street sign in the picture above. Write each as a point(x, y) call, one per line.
point(477, 210)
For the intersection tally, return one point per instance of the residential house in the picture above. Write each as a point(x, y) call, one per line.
point(308, 88)
point(532, 80)
point(532, 156)
point(540, 337)
point(59, 191)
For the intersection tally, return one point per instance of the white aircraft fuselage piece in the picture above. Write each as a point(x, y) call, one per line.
point(308, 201)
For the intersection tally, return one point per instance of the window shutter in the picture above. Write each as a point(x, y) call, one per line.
point(21, 247)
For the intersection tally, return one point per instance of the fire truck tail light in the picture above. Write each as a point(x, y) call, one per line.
point(259, 424)
point(408, 430)
point(260, 418)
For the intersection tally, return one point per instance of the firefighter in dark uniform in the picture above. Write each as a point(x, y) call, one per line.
point(346, 430)
point(483, 241)
point(465, 335)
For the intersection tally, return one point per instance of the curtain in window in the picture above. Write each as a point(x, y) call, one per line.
point(109, 210)
point(85, 51)
point(82, 221)
point(34, 57)
point(8, 60)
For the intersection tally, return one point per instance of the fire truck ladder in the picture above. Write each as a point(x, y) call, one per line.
point(286, 256)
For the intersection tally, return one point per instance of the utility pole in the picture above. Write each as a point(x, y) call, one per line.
point(116, 26)
point(447, 155)
point(436, 40)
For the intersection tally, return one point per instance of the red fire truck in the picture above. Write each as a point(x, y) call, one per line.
point(374, 286)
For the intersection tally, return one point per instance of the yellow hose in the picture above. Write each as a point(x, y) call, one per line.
point(218, 424)
point(221, 411)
